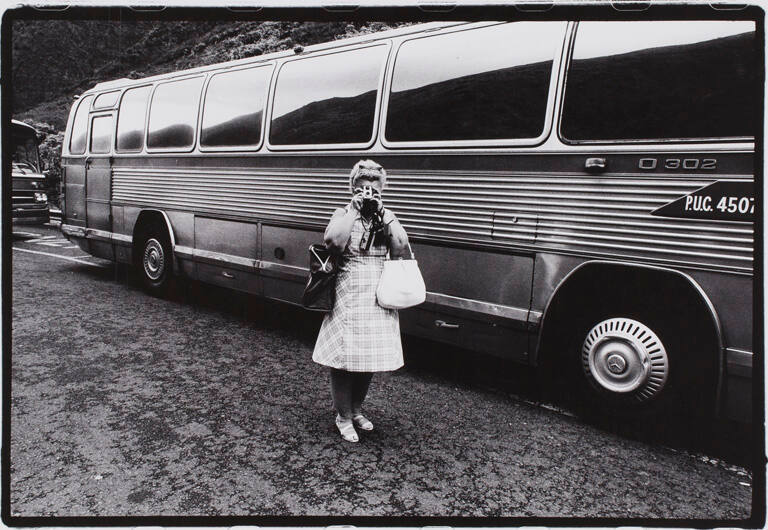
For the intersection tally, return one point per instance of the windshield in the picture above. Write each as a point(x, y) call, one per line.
point(25, 157)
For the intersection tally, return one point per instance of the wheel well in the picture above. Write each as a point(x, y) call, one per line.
point(146, 219)
point(665, 292)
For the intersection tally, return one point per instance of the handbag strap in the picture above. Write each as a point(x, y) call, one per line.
point(409, 250)
point(389, 237)
point(323, 263)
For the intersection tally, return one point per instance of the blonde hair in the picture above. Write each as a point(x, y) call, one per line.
point(367, 169)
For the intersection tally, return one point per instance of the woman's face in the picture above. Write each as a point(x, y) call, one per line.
point(364, 181)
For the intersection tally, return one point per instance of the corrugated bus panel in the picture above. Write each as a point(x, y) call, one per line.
point(605, 216)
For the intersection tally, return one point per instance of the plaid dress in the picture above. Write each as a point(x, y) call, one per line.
point(358, 335)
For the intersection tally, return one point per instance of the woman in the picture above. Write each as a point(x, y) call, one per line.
point(358, 337)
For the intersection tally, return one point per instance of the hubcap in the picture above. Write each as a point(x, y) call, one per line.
point(624, 356)
point(616, 364)
point(154, 259)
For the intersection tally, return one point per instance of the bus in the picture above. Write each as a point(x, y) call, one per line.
point(29, 200)
point(579, 194)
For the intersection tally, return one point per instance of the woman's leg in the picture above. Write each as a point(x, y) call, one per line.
point(362, 381)
point(341, 390)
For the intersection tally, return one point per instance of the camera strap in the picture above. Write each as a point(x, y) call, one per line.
point(376, 225)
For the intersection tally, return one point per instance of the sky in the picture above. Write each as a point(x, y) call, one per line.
point(307, 80)
point(234, 94)
point(472, 52)
point(623, 37)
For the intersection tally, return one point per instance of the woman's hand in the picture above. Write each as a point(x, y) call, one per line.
point(357, 201)
point(379, 204)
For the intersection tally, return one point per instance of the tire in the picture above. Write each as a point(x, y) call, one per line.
point(632, 362)
point(155, 259)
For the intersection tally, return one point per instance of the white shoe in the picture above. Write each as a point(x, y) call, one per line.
point(362, 422)
point(347, 429)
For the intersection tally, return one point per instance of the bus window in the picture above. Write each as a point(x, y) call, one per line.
point(130, 122)
point(328, 99)
point(662, 80)
point(173, 114)
point(483, 84)
point(106, 101)
point(233, 108)
point(101, 134)
point(80, 127)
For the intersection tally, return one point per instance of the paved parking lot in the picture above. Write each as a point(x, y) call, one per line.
point(208, 404)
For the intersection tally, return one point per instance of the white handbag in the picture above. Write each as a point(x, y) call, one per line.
point(401, 284)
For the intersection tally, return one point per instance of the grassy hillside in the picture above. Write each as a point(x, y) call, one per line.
point(54, 60)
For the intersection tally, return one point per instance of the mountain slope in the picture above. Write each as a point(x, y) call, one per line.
point(55, 60)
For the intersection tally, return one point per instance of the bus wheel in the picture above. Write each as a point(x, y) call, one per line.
point(155, 260)
point(625, 361)
point(632, 364)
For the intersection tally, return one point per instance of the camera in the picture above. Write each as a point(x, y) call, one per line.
point(369, 205)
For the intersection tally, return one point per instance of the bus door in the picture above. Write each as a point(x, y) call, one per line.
point(98, 183)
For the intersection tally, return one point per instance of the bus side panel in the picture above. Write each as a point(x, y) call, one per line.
point(123, 248)
point(183, 226)
point(493, 277)
point(224, 238)
point(441, 324)
point(97, 208)
point(227, 237)
point(731, 295)
point(285, 261)
point(98, 194)
point(478, 300)
point(549, 271)
point(130, 214)
point(74, 190)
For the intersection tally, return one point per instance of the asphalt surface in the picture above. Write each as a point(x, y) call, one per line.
point(208, 403)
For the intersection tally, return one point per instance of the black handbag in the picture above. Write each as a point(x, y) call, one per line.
point(320, 292)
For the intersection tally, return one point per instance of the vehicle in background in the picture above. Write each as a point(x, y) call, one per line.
point(29, 201)
point(580, 195)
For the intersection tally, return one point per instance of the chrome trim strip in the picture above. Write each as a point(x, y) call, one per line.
point(99, 235)
point(550, 147)
point(270, 268)
point(476, 306)
point(95, 233)
point(75, 231)
point(216, 258)
point(500, 178)
point(110, 237)
point(738, 362)
point(122, 239)
point(267, 268)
